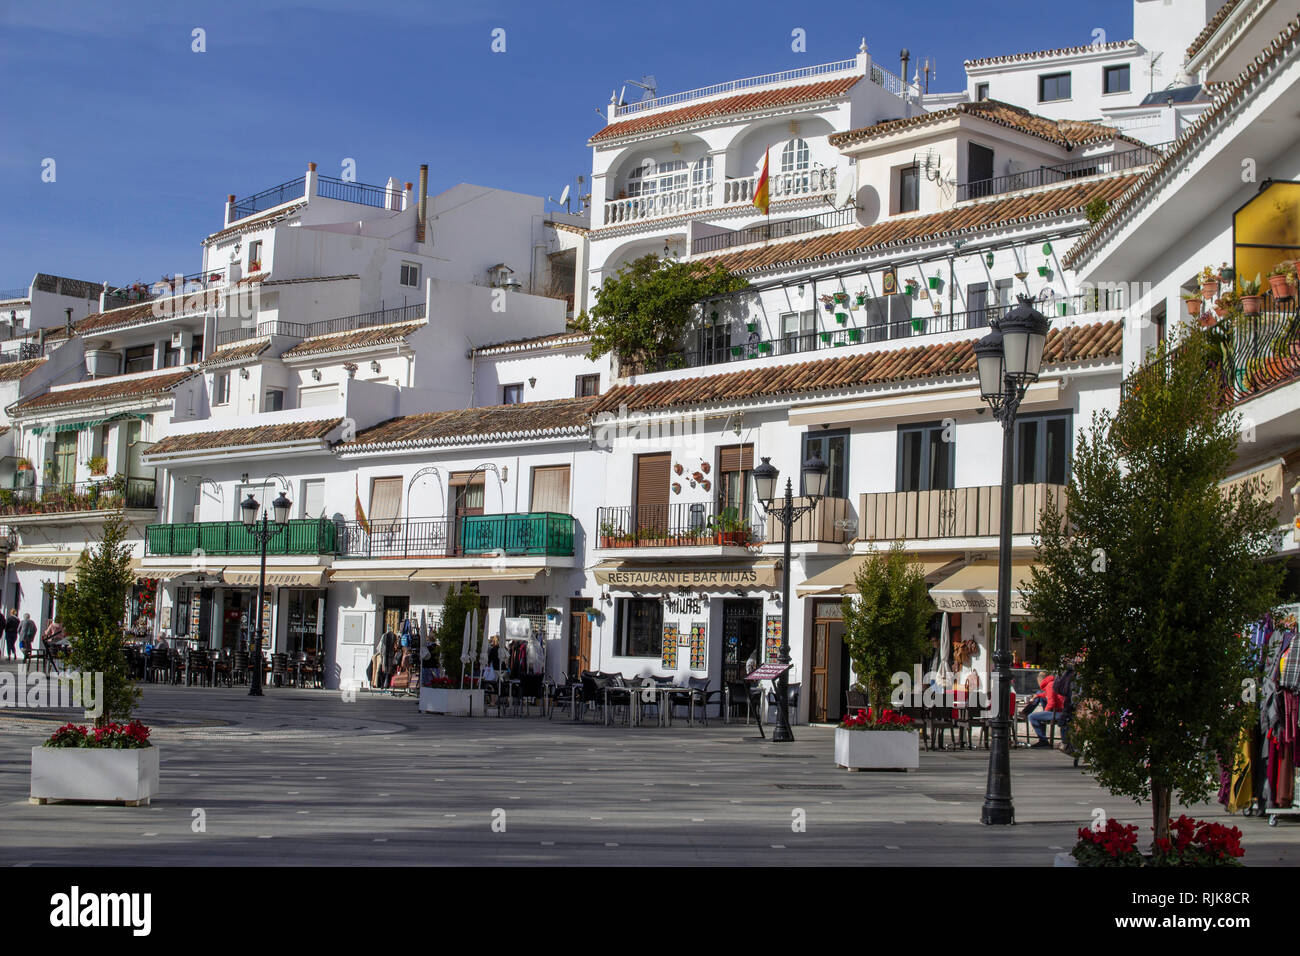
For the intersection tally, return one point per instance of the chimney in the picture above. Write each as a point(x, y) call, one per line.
point(103, 298)
point(422, 200)
point(230, 208)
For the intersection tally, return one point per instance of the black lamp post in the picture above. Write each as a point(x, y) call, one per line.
point(1009, 359)
point(248, 510)
point(815, 472)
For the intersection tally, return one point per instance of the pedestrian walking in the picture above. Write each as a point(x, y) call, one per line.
point(27, 636)
point(11, 634)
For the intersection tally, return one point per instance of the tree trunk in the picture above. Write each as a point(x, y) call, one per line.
point(1161, 796)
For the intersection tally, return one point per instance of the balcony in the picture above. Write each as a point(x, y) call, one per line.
point(727, 193)
point(101, 494)
point(327, 187)
point(827, 523)
point(1047, 175)
point(782, 229)
point(1256, 353)
point(301, 536)
point(532, 534)
point(682, 525)
point(302, 330)
point(953, 513)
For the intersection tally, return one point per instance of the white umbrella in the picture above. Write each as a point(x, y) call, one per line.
point(945, 645)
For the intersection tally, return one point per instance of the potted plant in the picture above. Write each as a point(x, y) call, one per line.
point(111, 763)
point(877, 740)
point(1226, 273)
point(827, 303)
point(935, 281)
point(1282, 281)
point(824, 336)
point(609, 534)
point(862, 298)
point(841, 298)
point(98, 465)
point(1209, 283)
point(841, 317)
point(1229, 301)
point(728, 529)
point(1044, 270)
point(855, 335)
point(912, 286)
point(1251, 301)
point(1193, 303)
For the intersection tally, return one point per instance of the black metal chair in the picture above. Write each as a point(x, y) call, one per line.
point(792, 695)
point(239, 667)
point(279, 669)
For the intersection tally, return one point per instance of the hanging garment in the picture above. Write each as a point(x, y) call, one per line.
point(1240, 792)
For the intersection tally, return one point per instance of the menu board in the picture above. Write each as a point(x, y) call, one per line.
point(772, 638)
point(699, 646)
point(196, 609)
point(669, 658)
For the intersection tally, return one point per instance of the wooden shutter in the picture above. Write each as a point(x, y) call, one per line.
point(551, 489)
point(652, 473)
point(736, 458)
point(385, 499)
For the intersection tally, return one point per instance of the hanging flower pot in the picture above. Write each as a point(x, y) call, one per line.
point(855, 335)
point(677, 487)
point(825, 336)
point(1043, 270)
point(751, 326)
point(1207, 321)
point(842, 298)
point(735, 350)
point(1227, 273)
point(1281, 287)
point(706, 484)
point(1209, 288)
point(862, 298)
point(935, 282)
point(1251, 304)
point(841, 318)
point(912, 285)
point(677, 468)
point(1193, 307)
point(764, 347)
point(918, 325)
point(704, 467)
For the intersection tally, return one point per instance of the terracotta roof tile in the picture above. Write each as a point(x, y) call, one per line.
point(1067, 133)
point(12, 371)
point(556, 340)
point(1215, 22)
point(493, 423)
point(143, 312)
point(1227, 103)
point(116, 389)
point(1065, 345)
point(278, 434)
point(255, 222)
point(898, 230)
point(710, 109)
point(355, 339)
point(1059, 51)
point(237, 352)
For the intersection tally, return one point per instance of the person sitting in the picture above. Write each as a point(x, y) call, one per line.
point(1052, 708)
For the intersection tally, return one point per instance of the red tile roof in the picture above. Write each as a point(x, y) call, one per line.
point(1215, 22)
point(521, 421)
point(1065, 345)
point(1066, 133)
point(258, 221)
point(984, 214)
point(711, 109)
point(1059, 51)
point(117, 389)
point(354, 339)
point(12, 371)
point(238, 352)
point(556, 341)
point(279, 434)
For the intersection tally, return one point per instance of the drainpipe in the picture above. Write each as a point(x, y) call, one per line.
point(422, 201)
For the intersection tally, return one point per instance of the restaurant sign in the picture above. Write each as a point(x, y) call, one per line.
point(760, 575)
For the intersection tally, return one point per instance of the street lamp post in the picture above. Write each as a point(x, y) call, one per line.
point(815, 473)
point(248, 511)
point(1009, 359)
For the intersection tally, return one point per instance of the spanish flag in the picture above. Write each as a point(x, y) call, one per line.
point(361, 512)
point(760, 191)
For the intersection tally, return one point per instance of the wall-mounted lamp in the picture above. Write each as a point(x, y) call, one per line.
point(351, 369)
point(988, 260)
point(532, 382)
point(505, 474)
point(374, 366)
point(315, 375)
point(243, 373)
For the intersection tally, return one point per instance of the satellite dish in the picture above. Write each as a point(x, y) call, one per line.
point(622, 96)
point(564, 196)
point(843, 191)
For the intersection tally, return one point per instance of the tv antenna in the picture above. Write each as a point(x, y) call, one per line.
point(647, 84)
point(929, 70)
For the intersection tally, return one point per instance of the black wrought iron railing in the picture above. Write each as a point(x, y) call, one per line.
point(270, 198)
point(537, 533)
point(1046, 175)
point(764, 232)
point(18, 292)
point(1254, 354)
point(677, 525)
point(363, 320)
point(98, 494)
point(329, 188)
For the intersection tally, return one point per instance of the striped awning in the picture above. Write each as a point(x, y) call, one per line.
point(839, 579)
point(276, 577)
point(461, 573)
point(974, 587)
point(170, 572)
point(371, 574)
point(43, 558)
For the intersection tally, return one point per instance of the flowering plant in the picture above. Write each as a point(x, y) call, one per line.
point(132, 736)
point(1198, 843)
point(445, 683)
point(1111, 845)
point(885, 720)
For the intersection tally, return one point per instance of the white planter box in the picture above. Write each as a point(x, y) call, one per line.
point(459, 703)
point(86, 773)
point(877, 749)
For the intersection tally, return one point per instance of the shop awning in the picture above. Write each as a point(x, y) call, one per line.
point(276, 577)
point(371, 574)
point(1270, 481)
point(38, 558)
point(838, 579)
point(169, 572)
point(645, 574)
point(461, 573)
point(974, 588)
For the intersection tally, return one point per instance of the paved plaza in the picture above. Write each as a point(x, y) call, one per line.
point(303, 777)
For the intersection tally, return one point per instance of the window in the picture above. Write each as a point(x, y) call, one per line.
point(255, 255)
point(702, 182)
point(1043, 449)
point(551, 489)
point(925, 457)
point(305, 628)
point(317, 396)
point(977, 301)
point(735, 466)
point(172, 357)
point(1115, 79)
point(798, 331)
point(794, 156)
point(650, 177)
point(312, 498)
point(909, 185)
point(139, 358)
point(1053, 86)
point(410, 274)
point(638, 627)
point(181, 611)
point(586, 385)
point(832, 448)
point(220, 388)
point(512, 394)
point(981, 92)
point(196, 349)
point(64, 471)
point(531, 606)
point(274, 400)
point(385, 503)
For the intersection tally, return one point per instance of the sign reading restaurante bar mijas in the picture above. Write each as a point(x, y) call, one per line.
point(762, 574)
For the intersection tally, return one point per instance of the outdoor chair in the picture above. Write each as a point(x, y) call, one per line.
point(792, 695)
point(568, 694)
point(239, 667)
point(159, 664)
point(856, 700)
point(699, 691)
point(221, 668)
point(279, 669)
point(616, 691)
point(196, 668)
point(177, 666)
point(745, 694)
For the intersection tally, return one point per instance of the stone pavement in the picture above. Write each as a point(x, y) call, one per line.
point(302, 777)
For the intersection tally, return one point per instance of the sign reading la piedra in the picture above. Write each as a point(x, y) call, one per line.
point(751, 576)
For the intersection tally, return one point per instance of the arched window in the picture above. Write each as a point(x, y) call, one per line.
point(794, 156)
point(701, 181)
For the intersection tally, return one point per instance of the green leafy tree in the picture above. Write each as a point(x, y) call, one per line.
point(886, 627)
point(645, 309)
point(450, 632)
point(91, 610)
point(1150, 573)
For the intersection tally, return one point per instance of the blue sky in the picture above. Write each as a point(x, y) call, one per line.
point(148, 136)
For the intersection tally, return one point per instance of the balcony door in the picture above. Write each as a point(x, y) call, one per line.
point(579, 637)
point(925, 457)
point(652, 486)
point(385, 506)
point(979, 170)
point(467, 491)
point(550, 490)
point(735, 467)
point(798, 332)
point(977, 305)
point(64, 471)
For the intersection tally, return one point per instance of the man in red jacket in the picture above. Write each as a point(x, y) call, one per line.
point(1053, 708)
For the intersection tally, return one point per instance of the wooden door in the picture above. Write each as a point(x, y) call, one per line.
point(579, 637)
point(468, 495)
point(819, 674)
point(652, 486)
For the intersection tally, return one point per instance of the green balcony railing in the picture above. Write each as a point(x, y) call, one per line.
point(300, 536)
point(543, 533)
point(539, 532)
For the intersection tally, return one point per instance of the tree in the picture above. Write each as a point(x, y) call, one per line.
point(644, 310)
point(887, 626)
point(450, 632)
point(91, 610)
point(1150, 573)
